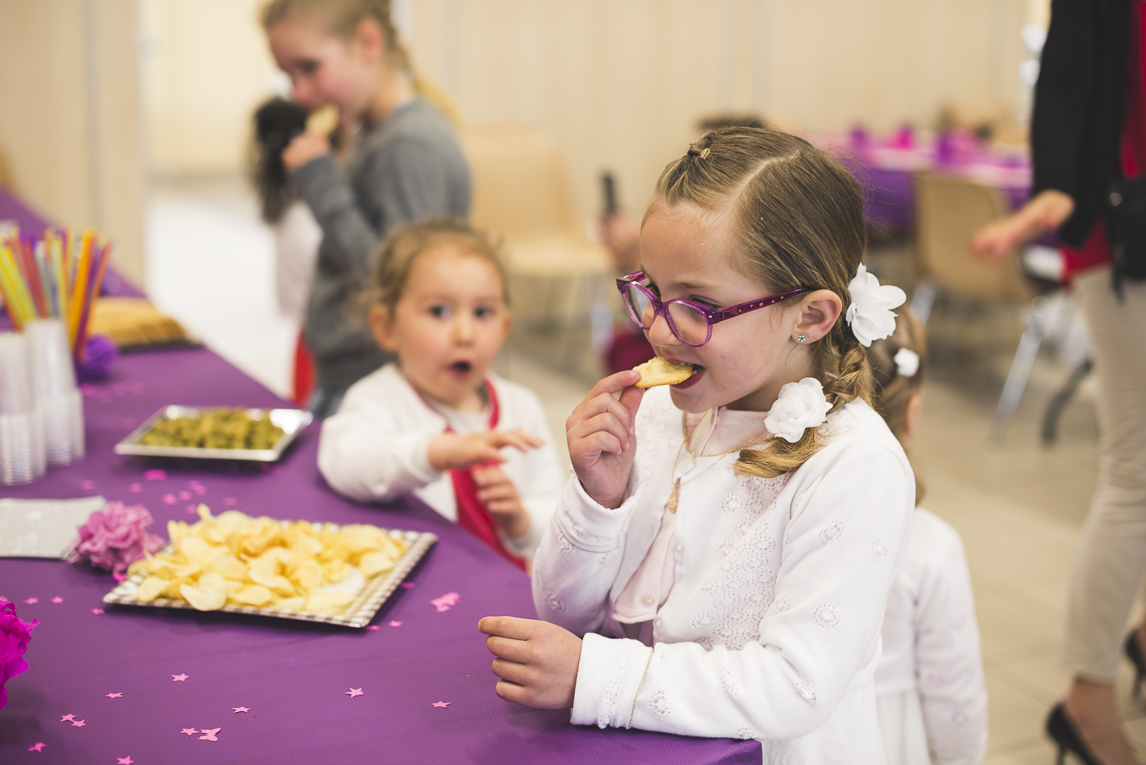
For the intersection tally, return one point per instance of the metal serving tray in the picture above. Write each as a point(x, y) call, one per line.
point(358, 614)
point(292, 421)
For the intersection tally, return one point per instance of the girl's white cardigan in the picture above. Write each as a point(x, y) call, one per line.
point(376, 448)
point(772, 627)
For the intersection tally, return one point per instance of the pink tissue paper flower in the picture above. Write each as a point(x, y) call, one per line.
point(116, 537)
point(14, 636)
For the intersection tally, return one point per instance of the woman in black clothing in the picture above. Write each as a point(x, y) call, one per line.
point(1088, 135)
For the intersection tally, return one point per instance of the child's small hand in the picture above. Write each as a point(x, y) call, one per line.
point(602, 438)
point(450, 451)
point(536, 661)
point(500, 497)
point(303, 148)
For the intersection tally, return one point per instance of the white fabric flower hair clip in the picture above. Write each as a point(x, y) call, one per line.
point(801, 405)
point(870, 315)
point(906, 362)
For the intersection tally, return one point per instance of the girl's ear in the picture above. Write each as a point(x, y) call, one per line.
point(370, 39)
point(382, 327)
point(911, 415)
point(818, 314)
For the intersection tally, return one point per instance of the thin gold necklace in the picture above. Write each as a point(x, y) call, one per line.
point(674, 497)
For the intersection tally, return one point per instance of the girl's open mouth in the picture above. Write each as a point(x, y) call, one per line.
point(461, 368)
point(697, 371)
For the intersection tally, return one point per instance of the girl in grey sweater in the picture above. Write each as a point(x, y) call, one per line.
point(404, 164)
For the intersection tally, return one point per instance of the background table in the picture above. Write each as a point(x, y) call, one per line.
point(427, 689)
point(884, 167)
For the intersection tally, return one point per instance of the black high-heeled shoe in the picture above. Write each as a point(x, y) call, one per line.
point(1062, 730)
point(1133, 651)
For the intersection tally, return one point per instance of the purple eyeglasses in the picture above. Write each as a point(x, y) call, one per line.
point(690, 322)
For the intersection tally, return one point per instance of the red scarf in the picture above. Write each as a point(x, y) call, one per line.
point(472, 514)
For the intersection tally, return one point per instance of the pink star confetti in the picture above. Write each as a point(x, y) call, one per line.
point(395, 623)
point(407, 585)
point(124, 760)
point(128, 424)
point(441, 704)
point(209, 734)
point(185, 495)
point(97, 611)
point(32, 601)
point(57, 600)
point(87, 484)
point(230, 501)
point(114, 695)
point(135, 488)
point(67, 718)
point(236, 710)
point(192, 510)
point(169, 499)
point(373, 628)
point(190, 731)
point(36, 747)
point(79, 723)
point(198, 488)
point(155, 475)
point(446, 602)
point(354, 692)
point(179, 678)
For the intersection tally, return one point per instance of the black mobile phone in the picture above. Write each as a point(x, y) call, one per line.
point(609, 187)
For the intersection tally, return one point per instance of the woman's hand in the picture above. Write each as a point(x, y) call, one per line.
point(500, 497)
point(305, 147)
point(1044, 212)
point(536, 661)
point(602, 437)
point(450, 451)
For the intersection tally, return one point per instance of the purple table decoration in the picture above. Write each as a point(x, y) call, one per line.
point(884, 169)
point(111, 684)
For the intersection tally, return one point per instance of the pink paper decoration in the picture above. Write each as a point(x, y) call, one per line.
point(14, 636)
point(446, 602)
point(116, 537)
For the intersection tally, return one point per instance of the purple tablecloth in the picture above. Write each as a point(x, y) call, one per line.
point(293, 677)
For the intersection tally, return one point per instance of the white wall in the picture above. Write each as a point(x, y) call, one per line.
point(70, 118)
point(205, 68)
point(619, 83)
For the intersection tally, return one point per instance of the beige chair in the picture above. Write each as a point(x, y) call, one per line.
point(521, 194)
point(949, 210)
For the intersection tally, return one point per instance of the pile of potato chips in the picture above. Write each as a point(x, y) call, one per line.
point(235, 559)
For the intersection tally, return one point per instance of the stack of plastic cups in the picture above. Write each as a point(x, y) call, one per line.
point(22, 457)
point(54, 386)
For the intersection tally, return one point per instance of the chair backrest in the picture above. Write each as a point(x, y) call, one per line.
point(949, 210)
point(520, 189)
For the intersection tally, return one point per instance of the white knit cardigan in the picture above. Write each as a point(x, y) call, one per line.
point(771, 629)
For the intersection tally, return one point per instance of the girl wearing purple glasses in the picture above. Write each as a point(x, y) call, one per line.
point(720, 561)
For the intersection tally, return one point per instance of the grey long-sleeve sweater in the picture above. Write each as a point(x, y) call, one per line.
point(406, 169)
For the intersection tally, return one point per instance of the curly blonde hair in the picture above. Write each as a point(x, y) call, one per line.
point(405, 244)
point(798, 215)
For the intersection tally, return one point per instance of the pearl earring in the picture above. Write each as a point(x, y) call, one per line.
point(800, 339)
